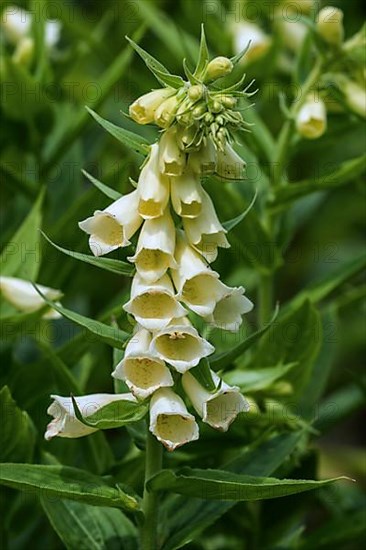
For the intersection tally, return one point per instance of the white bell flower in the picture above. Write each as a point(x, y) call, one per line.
point(180, 345)
point(142, 372)
point(311, 120)
point(155, 248)
point(228, 311)
point(205, 232)
point(17, 24)
point(112, 228)
point(229, 164)
point(65, 423)
point(172, 159)
point(260, 42)
point(197, 285)
point(170, 422)
point(204, 160)
point(218, 409)
point(153, 305)
point(186, 194)
point(143, 109)
point(166, 111)
point(24, 297)
point(153, 187)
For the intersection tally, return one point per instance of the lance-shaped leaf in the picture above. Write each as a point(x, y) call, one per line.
point(115, 266)
point(202, 374)
point(221, 485)
point(239, 56)
point(230, 224)
point(20, 257)
point(66, 482)
point(222, 360)
point(110, 335)
point(257, 380)
point(129, 139)
point(203, 56)
point(113, 415)
point(108, 191)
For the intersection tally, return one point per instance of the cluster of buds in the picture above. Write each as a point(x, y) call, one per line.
point(179, 236)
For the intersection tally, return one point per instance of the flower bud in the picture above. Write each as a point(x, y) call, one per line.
point(218, 67)
point(166, 111)
point(199, 110)
point(311, 120)
point(354, 95)
point(170, 421)
point(24, 297)
point(172, 159)
point(228, 101)
point(143, 109)
point(330, 25)
point(24, 51)
point(196, 92)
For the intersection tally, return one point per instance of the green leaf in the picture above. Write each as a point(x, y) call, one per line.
point(221, 485)
point(202, 374)
point(203, 56)
point(261, 459)
point(110, 335)
point(257, 380)
point(230, 224)
point(222, 360)
point(21, 256)
point(17, 433)
point(108, 191)
point(172, 80)
point(88, 527)
point(113, 415)
point(115, 266)
point(65, 482)
point(129, 139)
point(347, 172)
point(239, 56)
point(148, 59)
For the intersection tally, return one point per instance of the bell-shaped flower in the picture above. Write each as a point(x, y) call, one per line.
point(155, 248)
point(172, 159)
point(218, 409)
point(180, 345)
point(24, 297)
point(112, 228)
point(260, 42)
point(329, 23)
point(229, 164)
point(65, 423)
point(170, 422)
point(140, 369)
point(153, 305)
point(186, 194)
point(165, 113)
point(228, 311)
point(204, 160)
point(153, 187)
point(205, 232)
point(311, 120)
point(143, 109)
point(197, 285)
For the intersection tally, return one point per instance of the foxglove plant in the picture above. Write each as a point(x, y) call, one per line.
point(165, 360)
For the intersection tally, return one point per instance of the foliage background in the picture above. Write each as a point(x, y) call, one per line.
point(47, 137)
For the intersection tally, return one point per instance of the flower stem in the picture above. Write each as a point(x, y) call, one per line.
point(153, 463)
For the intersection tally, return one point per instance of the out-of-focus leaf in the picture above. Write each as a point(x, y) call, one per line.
point(17, 433)
point(115, 266)
point(257, 380)
point(21, 256)
point(126, 137)
point(338, 406)
point(66, 482)
point(88, 527)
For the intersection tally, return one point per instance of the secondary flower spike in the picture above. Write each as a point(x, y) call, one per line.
point(172, 228)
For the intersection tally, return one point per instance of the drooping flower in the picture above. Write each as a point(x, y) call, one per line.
point(143, 109)
point(65, 423)
point(180, 345)
point(203, 161)
point(218, 409)
point(153, 187)
point(186, 194)
point(153, 305)
point(205, 232)
point(329, 24)
point(140, 369)
point(155, 248)
point(197, 285)
point(311, 120)
point(172, 160)
point(24, 297)
point(229, 164)
point(228, 311)
point(166, 111)
point(170, 421)
point(260, 42)
point(112, 228)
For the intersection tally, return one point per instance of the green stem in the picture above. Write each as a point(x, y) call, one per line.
point(265, 298)
point(154, 459)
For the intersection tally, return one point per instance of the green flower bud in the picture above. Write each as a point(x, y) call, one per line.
point(165, 113)
point(330, 25)
point(199, 110)
point(196, 92)
point(209, 118)
point(216, 106)
point(218, 67)
point(228, 101)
